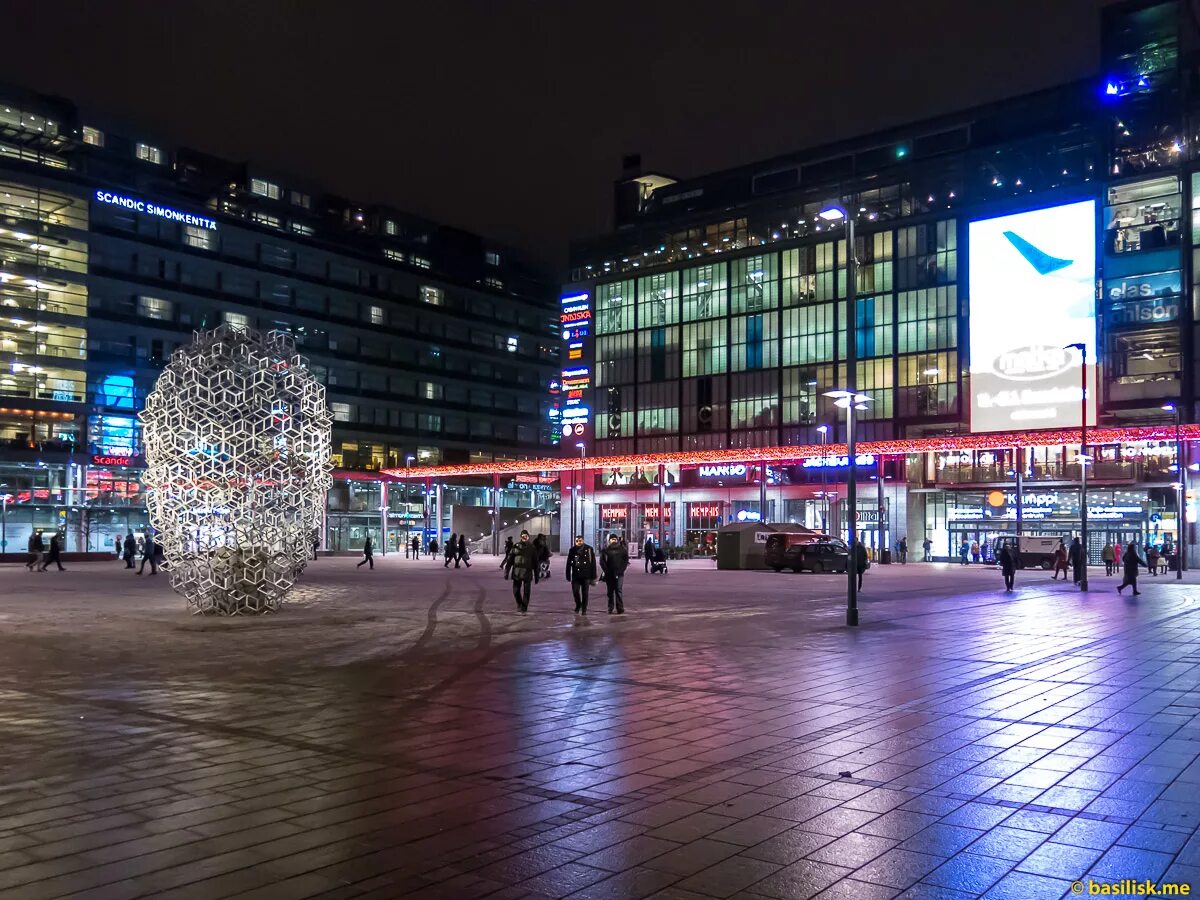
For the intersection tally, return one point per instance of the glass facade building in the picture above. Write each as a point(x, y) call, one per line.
point(721, 313)
point(435, 345)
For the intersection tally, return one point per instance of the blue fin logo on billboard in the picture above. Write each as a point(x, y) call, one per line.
point(1043, 262)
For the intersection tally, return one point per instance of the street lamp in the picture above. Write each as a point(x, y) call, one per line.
point(1182, 488)
point(823, 430)
point(582, 456)
point(1083, 458)
point(850, 401)
point(4, 498)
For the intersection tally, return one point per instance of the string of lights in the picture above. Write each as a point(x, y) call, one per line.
point(797, 454)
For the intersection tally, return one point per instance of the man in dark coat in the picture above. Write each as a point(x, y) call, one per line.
point(149, 555)
point(1075, 558)
point(368, 554)
point(53, 555)
point(522, 567)
point(581, 572)
point(1130, 561)
point(860, 560)
point(37, 548)
point(506, 562)
point(1008, 566)
point(450, 550)
point(648, 552)
point(614, 560)
point(463, 553)
point(130, 549)
point(415, 543)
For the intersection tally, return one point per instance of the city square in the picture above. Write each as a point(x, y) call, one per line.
point(402, 731)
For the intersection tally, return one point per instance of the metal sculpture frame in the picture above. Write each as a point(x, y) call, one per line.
point(238, 439)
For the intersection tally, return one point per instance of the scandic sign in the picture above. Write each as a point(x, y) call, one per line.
point(153, 209)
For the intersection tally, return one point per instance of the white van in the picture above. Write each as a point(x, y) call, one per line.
point(1033, 551)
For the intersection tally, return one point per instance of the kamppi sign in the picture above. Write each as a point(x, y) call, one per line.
point(153, 209)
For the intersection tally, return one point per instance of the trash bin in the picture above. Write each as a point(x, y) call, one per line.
point(885, 557)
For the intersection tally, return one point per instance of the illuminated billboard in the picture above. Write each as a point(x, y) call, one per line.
point(1033, 294)
point(569, 412)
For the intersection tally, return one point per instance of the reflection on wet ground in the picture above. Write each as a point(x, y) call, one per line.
point(403, 732)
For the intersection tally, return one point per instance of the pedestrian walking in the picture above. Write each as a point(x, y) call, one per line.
point(1152, 560)
point(860, 560)
point(964, 551)
point(149, 555)
point(1060, 561)
point(1076, 559)
point(1109, 555)
point(463, 553)
point(130, 549)
point(614, 560)
point(433, 547)
point(648, 553)
point(416, 547)
point(1130, 560)
point(53, 555)
point(581, 572)
point(506, 560)
point(1008, 566)
point(927, 545)
point(36, 548)
point(451, 549)
point(975, 551)
point(523, 567)
point(368, 554)
point(541, 549)
point(903, 548)
point(316, 544)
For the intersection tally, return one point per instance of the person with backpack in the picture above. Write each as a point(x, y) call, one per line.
point(581, 572)
point(614, 560)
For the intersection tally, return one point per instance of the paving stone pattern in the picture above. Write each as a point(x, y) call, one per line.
point(403, 732)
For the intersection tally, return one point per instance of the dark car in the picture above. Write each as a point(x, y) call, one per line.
point(814, 552)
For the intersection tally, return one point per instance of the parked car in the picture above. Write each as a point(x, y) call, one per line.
point(811, 551)
point(1032, 551)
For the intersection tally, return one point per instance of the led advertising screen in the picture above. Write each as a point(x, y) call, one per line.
point(1033, 293)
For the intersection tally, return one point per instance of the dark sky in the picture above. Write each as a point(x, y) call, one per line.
point(510, 118)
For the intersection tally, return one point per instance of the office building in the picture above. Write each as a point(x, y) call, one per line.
point(436, 346)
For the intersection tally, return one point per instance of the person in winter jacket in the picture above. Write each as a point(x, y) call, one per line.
point(541, 549)
point(36, 547)
point(1130, 560)
point(451, 550)
point(506, 561)
point(614, 560)
point(581, 572)
point(53, 555)
point(130, 549)
point(1060, 561)
point(1008, 566)
point(1075, 558)
point(522, 567)
point(860, 561)
point(368, 555)
point(1109, 555)
point(463, 553)
point(648, 552)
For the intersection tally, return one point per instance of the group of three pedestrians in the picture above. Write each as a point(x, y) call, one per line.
point(524, 566)
point(1130, 561)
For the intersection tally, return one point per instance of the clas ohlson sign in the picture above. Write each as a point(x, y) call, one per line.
point(153, 209)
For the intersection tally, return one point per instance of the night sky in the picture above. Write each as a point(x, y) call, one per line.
point(511, 118)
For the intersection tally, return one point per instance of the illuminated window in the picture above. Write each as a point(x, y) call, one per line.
point(705, 292)
point(341, 412)
point(238, 320)
point(267, 189)
point(93, 136)
point(156, 308)
point(495, 283)
point(492, 258)
point(394, 255)
point(149, 154)
point(614, 307)
point(200, 238)
point(421, 262)
point(432, 295)
point(263, 218)
point(298, 198)
point(390, 228)
point(658, 300)
point(376, 315)
point(753, 285)
point(301, 228)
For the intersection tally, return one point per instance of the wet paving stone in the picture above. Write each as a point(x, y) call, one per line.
point(402, 732)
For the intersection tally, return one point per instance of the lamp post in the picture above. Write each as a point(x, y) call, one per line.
point(823, 430)
point(408, 461)
point(1181, 485)
point(582, 457)
point(1083, 458)
point(4, 497)
point(850, 401)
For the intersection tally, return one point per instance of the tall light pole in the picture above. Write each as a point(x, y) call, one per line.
point(823, 430)
point(1083, 459)
point(1181, 485)
point(4, 498)
point(582, 456)
point(833, 212)
point(408, 461)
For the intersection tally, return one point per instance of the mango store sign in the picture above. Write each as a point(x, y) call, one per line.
point(153, 209)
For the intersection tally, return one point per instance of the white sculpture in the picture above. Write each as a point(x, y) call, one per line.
point(237, 437)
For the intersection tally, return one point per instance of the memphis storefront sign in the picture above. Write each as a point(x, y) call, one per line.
point(153, 209)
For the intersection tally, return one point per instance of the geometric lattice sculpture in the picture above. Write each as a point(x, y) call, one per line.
point(237, 439)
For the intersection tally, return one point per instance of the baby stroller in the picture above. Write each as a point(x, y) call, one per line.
point(658, 562)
